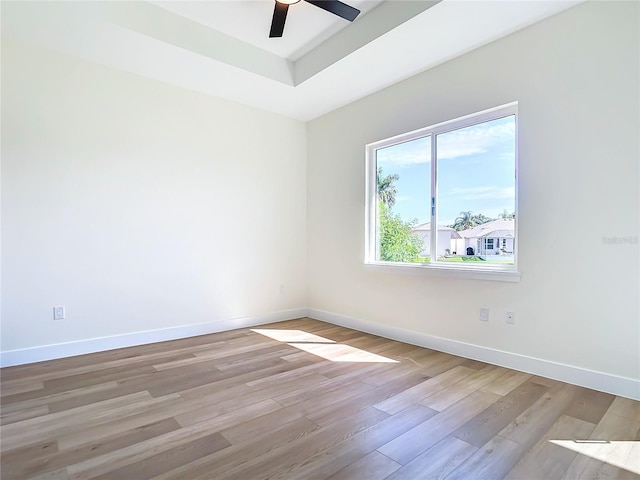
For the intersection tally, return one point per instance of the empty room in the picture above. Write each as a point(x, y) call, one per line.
point(315, 239)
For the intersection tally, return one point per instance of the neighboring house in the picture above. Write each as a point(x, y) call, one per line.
point(491, 238)
point(446, 237)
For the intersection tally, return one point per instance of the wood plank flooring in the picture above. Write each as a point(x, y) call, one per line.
point(305, 400)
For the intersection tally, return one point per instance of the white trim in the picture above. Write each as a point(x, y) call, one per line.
point(604, 382)
point(433, 199)
point(432, 132)
point(441, 269)
point(92, 345)
point(371, 204)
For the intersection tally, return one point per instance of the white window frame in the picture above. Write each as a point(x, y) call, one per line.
point(507, 272)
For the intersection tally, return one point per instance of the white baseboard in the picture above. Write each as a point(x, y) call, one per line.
point(92, 345)
point(604, 382)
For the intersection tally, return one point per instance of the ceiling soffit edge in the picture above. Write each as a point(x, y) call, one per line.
point(163, 25)
point(168, 27)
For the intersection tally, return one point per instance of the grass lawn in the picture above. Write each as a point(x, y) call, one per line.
point(465, 258)
point(471, 258)
point(451, 259)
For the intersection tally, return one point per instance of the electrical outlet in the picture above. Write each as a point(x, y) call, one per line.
point(484, 314)
point(58, 313)
point(511, 317)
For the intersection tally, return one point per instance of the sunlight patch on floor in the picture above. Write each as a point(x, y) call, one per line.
point(621, 454)
point(323, 347)
point(338, 352)
point(291, 336)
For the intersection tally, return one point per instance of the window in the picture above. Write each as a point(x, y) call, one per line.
point(444, 197)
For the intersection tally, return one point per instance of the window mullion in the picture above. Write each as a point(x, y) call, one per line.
point(433, 235)
point(476, 151)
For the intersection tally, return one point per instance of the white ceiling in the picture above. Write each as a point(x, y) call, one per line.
point(306, 27)
point(222, 48)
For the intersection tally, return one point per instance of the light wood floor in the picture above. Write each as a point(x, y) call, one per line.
point(243, 405)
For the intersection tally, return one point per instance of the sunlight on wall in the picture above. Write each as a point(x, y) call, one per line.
point(621, 454)
point(323, 347)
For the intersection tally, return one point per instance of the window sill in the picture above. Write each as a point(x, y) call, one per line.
point(491, 274)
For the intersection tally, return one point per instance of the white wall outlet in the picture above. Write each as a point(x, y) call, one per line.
point(58, 313)
point(484, 314)
point(511, 317)
point(282, 290)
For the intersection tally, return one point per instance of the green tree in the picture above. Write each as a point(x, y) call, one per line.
point(463, 222)
point(506, 215)
point(468, 220)
point(397, 242)
point(386, 189)
point(480, 219)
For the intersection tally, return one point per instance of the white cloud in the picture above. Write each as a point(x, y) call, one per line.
point(467, 141)
point(408, 153)
point(477, 193)
point(473, 140)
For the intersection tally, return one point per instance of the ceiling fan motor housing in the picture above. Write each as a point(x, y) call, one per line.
point(333, 6)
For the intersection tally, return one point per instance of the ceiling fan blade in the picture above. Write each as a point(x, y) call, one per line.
point(279, 17)
point(337, 8)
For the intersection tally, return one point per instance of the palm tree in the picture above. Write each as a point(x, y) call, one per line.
point(507, 215)
point(467, 220)
point(480, 219)
point(464, 221)
point(386, 189)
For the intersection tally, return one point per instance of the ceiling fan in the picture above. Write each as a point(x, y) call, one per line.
point(333, 6)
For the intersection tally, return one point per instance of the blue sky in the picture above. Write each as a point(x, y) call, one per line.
point(476, 171)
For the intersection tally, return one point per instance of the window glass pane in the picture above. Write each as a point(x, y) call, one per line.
point(403, 196)
point(476, 193)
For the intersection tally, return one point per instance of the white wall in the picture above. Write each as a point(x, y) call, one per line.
point(576, 79)
point(140, 206)
point(136, 204)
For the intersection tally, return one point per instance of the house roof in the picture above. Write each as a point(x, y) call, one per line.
point(502, 227)
point(441, 228)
